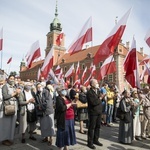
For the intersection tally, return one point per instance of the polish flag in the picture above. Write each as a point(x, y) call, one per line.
point(107, 67)
point(1, 39)
point(57, 70)
point(39, 74)
point(9, 60)
point(70, 72)
point(53, 76)
point(108, 46)
point(60, 75)
point(145, 60)
point(93, 70)
point(48, 63)
point(77, 71)
point(84, 36)
point(83, 75)
point(144, 72)
point(131, 67)
point(33, 54)
point(77, 82)
point(87, 82)
point(59, 39)
point(147, 38)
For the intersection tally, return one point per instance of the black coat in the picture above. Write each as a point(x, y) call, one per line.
point(45, 98)
point(60, 112)
point(94, 103)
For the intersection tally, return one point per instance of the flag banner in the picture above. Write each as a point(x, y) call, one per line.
point(131, 67)
point(33, 54)
point(69, 72)
point(59, 39)
point(145, 60)
point(9, 60)
point(77, 72)
point(1, 39)
point(48, 63)
point(57, 70)
point(147, 38)
point(108, 67)
point(52, 75)
point(83, 75)
point(84, 36)
point(111, 42)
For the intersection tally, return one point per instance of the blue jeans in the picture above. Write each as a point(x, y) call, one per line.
point(109, 113)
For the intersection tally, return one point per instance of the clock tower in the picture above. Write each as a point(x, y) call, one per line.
point(55, 30)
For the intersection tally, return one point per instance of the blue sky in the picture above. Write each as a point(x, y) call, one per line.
point(25, 21)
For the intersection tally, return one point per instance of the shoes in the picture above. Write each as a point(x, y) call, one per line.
point(143, 137)
point(138, 138)
point(50, 141)
point(23, 141)
point(45, 140)
point(98, 143)
point(91, 146)
point(32, 138)
point(82, 132)
point(7, 143)
point(111, 124)
point(108, 125)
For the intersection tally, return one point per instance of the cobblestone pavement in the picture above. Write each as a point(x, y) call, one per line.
point(109, 138)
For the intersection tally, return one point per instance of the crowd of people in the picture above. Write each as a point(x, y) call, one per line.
point(45, 102)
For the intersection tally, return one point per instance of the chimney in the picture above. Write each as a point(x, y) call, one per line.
point(141, 51)
point(127, 45)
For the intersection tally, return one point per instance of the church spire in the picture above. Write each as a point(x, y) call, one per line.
point(56, 25)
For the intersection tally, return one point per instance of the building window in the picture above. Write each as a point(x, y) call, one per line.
point(65, 69)
point(83, 66)
point(100, 64)
point(110, 78)
point(142, 67)
point(120, 50)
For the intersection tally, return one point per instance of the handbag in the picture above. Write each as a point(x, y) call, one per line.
point(81, 105)
point(31, 116)
point(120, 114)
point(9, 109)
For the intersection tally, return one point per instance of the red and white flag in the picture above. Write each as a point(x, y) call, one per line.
point(59, 39)
point(77, 82)
point(84, 36)
point(60, 75)
point(87, 82)
point(108, 46)
point(9, 60)
point(39, 74)
point(69, 72)
point(48, 63)
point(145, 60)
point(1, 39)
point(107, 67)
point(33, 54)
point(93, 70)
point(147, 38)
point(144, 72)
point(83, 75)
point(53, 76)
point(131, 67)
point(57, 70)
point(77, 71)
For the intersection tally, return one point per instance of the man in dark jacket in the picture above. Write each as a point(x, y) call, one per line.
point(94, 111)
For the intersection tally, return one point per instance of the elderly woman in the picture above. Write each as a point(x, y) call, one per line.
point(65, 120)
point(45, 111)
point(126, 123)
point(26, 103)
point(9, 96)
